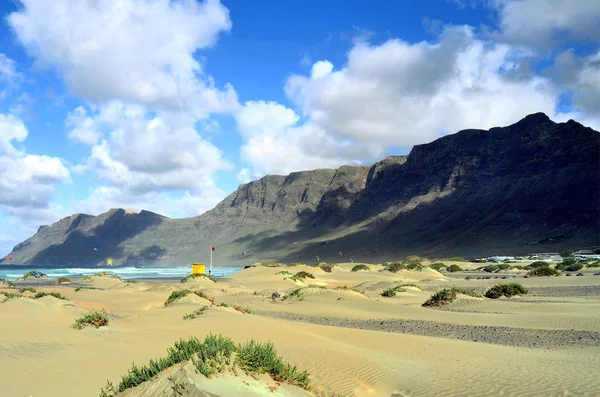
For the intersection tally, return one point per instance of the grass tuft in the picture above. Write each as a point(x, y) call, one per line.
point(437, 266)
point(213, 355)
point(300, 276)
point(62, 280)
point(53, 294)
point(360, 267)
point(27, 289)
point(195, 313)
point(543, 272)
point(10, 295)
point(95, 319)
point(454, 268)
point(447, 296)
point(176, 295)
point(507, 290)
point(393, 267)
point(191, 277)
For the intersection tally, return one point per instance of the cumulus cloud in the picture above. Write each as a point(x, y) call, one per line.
point(148, 156)
point(82, 127)
point(135, 50)
point(26, 181)
point(543, 23)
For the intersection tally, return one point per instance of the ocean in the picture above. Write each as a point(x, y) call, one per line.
point(125, 272)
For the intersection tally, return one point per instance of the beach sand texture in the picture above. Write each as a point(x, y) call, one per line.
point(546, 343)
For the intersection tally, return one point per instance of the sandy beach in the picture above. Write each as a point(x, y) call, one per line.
point(352, 341)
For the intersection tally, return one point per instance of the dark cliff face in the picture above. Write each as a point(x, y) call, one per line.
point(527, 187)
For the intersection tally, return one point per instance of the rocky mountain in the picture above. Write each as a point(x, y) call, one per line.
point(533, 186)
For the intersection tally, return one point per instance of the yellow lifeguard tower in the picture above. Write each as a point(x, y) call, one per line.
point(198, 268)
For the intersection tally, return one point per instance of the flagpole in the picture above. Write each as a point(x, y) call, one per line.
point(210, 270)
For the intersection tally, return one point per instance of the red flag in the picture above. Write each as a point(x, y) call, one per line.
point(213, 248)
point(10, 257)
point(340, 253)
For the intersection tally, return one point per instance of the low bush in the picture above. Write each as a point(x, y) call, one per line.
point(448, 295)
point(176, 295)
point(101, 274)
point(10, 295)
point(80, 288)
point(284, 272)
point(325, 268)
point(243, 310)
point(574, 267)
point(27, 289)
point(413, 265)
point(95, 319)
point(215, 354)
point(53, 294)
point(296, 293)
point(566, 263)
point(360, 267)
point(454, 268)
point(300, 276)
point(456, 259)
point(191, 277)
point(543, 272)
point(62, 280)
point(393, 267)
point(537, 264)
point(388, 293)
point(506, 290)
point(6, 283)
point(195, 313)
point(437, 266)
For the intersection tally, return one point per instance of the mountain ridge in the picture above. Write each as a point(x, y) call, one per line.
point(469, 193)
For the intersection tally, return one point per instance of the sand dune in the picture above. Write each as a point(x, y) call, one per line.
point(352, 342)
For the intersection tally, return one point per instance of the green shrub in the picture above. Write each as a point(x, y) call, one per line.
point(296, 293)
point(413, 265)
point(454, 268)
point(456, 259)
point(215, 354)
point(284, 272)
point(62, 280)
point(543, 272)
point(506, 290)
point(53, 294)
point(6, 282)
point(566, 254)
point(80, 288)
point(300, 276)
point(195, 313)
point(574, 268)
point(393, 267)
point(176, 295)
point(191, 276)
point(593, 264)
point(437, 266)
point(569, 265)
point(360, 267)
point(223, 304)
point(325, 268)
point(346, 288)
point(442, 297)
point(95, 319)
point(27, 289)
point(10, 295)
point(243, 310)
point(537, 264)
point(388, 293)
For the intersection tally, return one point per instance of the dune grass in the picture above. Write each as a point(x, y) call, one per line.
point(284, 272)
point(300, 276)
point(537, 264)
point(176, 295)
point(390, 292)
point(53, 294)
point(447, 296)
point(437, 266)
point(456, 259)
point(506, 290)
point(6, 282)
point(360, 267)
point(195, 313)
point(94, 319)
point(191, 277)
point(80, 288)
point(101, 274)
point(393, 267)
point(296, 293)
point(454, 268)
point(215, 354)
point(346, 288)
point(62, 280)
point(10, 295)
point(27, 289)
point(543, 272)
point(326, 268)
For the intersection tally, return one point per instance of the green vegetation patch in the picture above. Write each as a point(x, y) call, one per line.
point(507, 290)
point(300, 276)
point(176, 295)
point(284, 272)
point(346, 288)
point(360, 267)
point(27, 289)
point(454, 268)
point(537, 264)
point(437, 266)
point(191, 277)
point(456, 259)
point(543, 272)
point(63, 280)
point(214, 355)
point(393, 267)
point(101, 274)
point(325, 268)
point(448, 295)
point(10, 295)
point(195, 313)
point(53, 294)
point(6, 283)
point(94, 319)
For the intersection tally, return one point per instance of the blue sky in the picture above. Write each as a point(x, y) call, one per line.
point(170, 105)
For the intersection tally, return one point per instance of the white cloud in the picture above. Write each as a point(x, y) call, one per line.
point(321, 69)
point(9, 76)
point(83, 127)
point(135, 50)
point(244, 175)
point(154, 159)
point(26, 181)
point(547, 22)
point(401, 94)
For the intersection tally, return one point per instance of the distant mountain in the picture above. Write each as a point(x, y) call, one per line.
point(529, 187)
